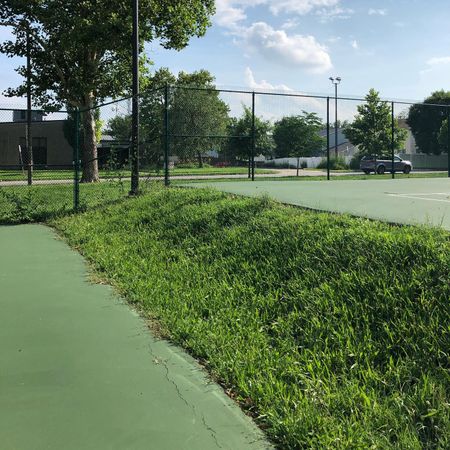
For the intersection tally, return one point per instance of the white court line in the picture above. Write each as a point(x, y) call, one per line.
point(421, 196)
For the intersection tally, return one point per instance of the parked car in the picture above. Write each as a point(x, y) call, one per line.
point(382, 164)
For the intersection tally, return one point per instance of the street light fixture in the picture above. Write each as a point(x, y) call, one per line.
point(335, 81)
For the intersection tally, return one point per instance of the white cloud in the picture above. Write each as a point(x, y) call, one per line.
point(437, 64)
point(290, 23)
point(274, 108)
point(230, 13)
point(263, 84)
point(377, 12)
point(337, 12)
point(438, 61)
point(354, 44)
point(295, 50)
point(300, 7)
point(227, 15)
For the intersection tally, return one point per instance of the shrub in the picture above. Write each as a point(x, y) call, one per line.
point(335, 164)
point(354, 162)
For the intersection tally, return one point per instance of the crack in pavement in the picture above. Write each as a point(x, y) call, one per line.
point(212, 431)
point(159, 361)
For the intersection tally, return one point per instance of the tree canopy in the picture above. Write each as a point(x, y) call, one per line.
point(371, 130)
point(198, 117)
point(426, 122)
point(195, 115)
point(239, 144)
point(81, 50)
point(298, 136)
point(443, 136)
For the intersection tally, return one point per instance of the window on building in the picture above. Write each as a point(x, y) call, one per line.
point(39, 150)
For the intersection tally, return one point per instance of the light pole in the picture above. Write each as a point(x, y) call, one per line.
point(135, 108)
point(335, 81)
point(28, 137)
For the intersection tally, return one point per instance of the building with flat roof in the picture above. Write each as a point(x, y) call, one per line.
point(50, 146)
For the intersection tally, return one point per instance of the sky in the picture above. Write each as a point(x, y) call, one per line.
point(399, 47)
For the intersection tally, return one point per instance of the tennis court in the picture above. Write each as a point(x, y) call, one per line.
point(410, 201)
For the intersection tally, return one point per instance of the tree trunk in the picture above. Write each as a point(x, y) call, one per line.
point(200, 160)
point(90, 161)
point(298, 164)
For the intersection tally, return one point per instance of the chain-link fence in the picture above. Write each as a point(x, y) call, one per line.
point(36, 164)
point(230, 133)
point(56, 162)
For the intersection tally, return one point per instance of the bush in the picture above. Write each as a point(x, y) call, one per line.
point(354, 162)
point(335, 164)
point(191, 165)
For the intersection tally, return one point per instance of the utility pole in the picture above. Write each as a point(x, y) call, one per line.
point(335, 81)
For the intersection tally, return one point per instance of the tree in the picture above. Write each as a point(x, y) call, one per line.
point(443, 136)
point(371, 129)
point(119, 128)
point(197, 116)
point(426, 122)
point(298, 136)
point(69, 128)
point(81, 50)
point(239, 145)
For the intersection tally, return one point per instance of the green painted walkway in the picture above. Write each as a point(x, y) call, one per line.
point(79, 370)
point(416, 201)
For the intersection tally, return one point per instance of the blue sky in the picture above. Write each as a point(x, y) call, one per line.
point(399, 47)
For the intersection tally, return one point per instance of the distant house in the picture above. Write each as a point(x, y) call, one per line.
point(50, 146)
point(345, 147)
point(409, 146)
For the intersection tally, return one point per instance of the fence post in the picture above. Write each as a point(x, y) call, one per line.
point(166, 135)
point(135, 102)
point(328, 138)
point(392, 140)
point(448, 141)
point(253, 136)
point(28, 138)
point(76, 163)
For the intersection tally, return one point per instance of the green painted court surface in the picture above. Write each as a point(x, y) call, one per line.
point(410, 201)
point(79, 370)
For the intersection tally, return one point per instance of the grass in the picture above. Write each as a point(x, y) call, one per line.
point(40, 202)
point(37, 203)
point(17, 175)
point(332, 331)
